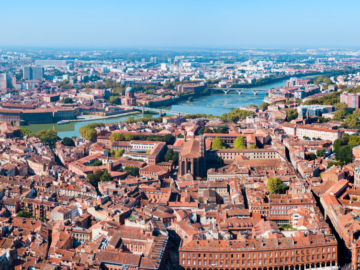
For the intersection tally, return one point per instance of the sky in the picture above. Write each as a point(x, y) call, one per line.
point(180, 23)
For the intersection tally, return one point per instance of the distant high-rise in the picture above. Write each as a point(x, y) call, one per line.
point(27, 73)
point(7, 80)
point(33, 73)
point(54, 63)
point(38, 73)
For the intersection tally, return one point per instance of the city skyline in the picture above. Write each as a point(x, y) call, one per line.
point(229, 24)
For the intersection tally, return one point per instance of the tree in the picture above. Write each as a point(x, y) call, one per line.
point(105, 176)
point(291, 114)
point(134, 171)
point(273, 183)
point(90, 135)
point(129, 136)
point(344, 154)
point(169, 139)
point(68, 142)
point(169, 154)
point(264, 106)
point(190, 99)
point(253, 146)
point(217, 143)
point(340, 106)
point(320, 152)
point(354, 141)
point(25, 132)
point(67, 100)
point(119, 153)
point(340, 114)
point(351, 121)
point(24, 214)
point(96, 163)
point(312, 156)
point(117, 137)
point(239, 143)
point(252, 106)
point(115, 100)
point(281, 189)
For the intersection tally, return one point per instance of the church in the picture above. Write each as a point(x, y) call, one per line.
point(129, 99)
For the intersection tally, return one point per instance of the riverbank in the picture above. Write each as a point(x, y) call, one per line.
point(91, 117)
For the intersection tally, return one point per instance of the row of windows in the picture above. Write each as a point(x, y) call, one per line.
point(259, 262)
point(286, 253)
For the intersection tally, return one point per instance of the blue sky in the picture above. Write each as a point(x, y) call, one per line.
point(180, 23)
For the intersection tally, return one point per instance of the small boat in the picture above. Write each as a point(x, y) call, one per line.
point(62, 122)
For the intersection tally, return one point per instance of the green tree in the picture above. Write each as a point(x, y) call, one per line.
point(134, 171)
point(169, 139)
point(90, 135)
point(129, 136)
point(117, 137)
point(340, 114)
point(340, 106)
point(344, 154)
point(253, 146)
point(105, 176)
point(217, 143)
point(264, 106)
point(281, 189)
point(119, 153)
point(25, 132)
point(311, 156)
point(68, 141)
point(351, 121)
point(67, 100)
point(291, 114)
point(273, 183)
point(24, 214)
point(320, 152)
point(115, 100)
point(239, 143)
point(354, 141)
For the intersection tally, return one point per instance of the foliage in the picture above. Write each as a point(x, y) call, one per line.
point(281, 189)
point(344, 153)
point(264, 106)
point(24, 214)
point(68, 141)
point(331, 163)
point(190, 99)
point(273, 183)
point(354, 141)
point(48, 137)
point(119, 153)
point(340, 115)
point(286, 227)
point(291, 114)
point(67, 100)
point(172, 155)
point(25, 132)
point(105, 176)
point(134, 171)
point(311, 156)
point(88, 132)
point(129, 136)
point(253, 146)
point(235, 115)
point(239, 143)
point(252, 106)
point(96, 163)
point(117, 137)
point(217, 143)
point(94, 178)
point(115, 100)
point(320, 152)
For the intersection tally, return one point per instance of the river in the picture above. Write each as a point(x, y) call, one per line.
point(216, 104)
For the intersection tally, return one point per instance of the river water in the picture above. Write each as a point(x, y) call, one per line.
point(216, 104)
